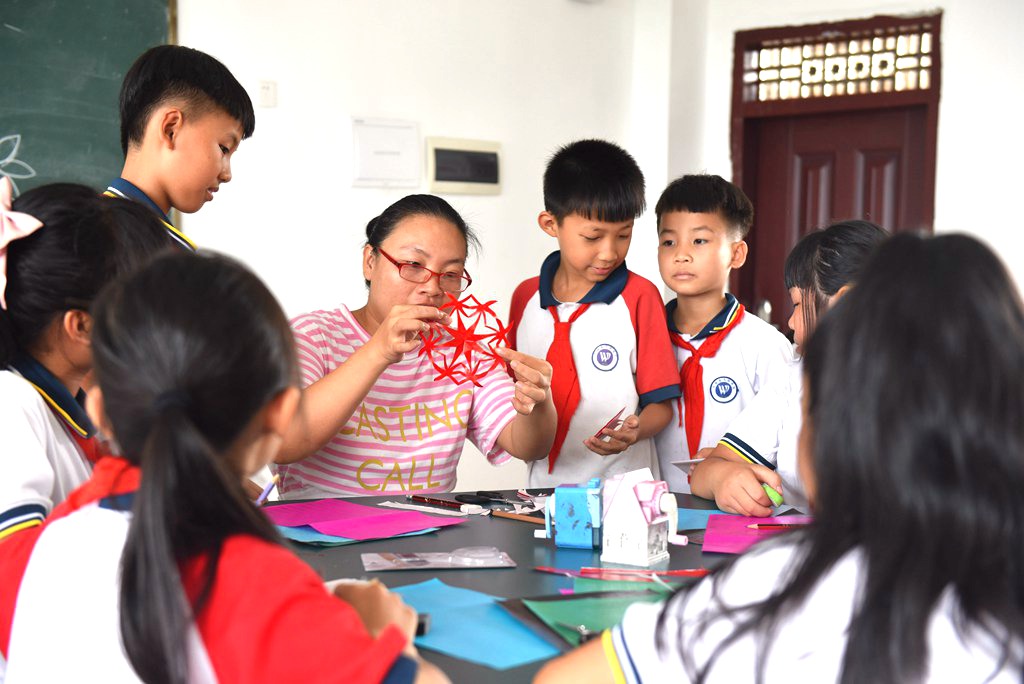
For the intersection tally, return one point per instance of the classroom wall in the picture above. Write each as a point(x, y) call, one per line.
point(652, 75)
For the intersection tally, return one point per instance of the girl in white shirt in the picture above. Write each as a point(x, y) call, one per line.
point(59, 244)
point(911, 451)
point(759, 446)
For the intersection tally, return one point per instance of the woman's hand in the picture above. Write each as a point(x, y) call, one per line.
point(533, 379)
point(399, 333)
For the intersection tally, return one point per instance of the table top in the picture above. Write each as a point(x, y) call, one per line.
point(512, 536)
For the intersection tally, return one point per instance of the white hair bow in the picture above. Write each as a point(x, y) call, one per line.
point(13, 225)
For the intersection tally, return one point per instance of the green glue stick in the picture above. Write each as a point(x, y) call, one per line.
point(773, 494)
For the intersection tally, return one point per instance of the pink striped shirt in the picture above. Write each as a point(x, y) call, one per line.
point(408, 432)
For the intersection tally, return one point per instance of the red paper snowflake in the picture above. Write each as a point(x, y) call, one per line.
point(466, 350)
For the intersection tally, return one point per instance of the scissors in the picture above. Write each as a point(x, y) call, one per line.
point(486, 497)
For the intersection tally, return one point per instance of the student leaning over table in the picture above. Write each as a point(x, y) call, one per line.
point(375, 419)
point(910, 449)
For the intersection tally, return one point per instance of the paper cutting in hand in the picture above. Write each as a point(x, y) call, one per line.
point(466, 350)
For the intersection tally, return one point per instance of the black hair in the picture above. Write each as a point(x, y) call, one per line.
point(86, 241)
point(708, 194)
point(180, 383)
point(595, 179)
point(379, 227)
point(917, 445)
point(174, 72)
point(824, 261)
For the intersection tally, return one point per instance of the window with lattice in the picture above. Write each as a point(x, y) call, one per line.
point(834, 64)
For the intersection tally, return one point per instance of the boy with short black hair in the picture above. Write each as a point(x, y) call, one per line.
point(725, 356)
point(182, 117)
point(600, 326)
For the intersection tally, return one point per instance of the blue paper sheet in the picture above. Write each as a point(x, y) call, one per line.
point(697, 519)
point(470, 625)
point(307, 535)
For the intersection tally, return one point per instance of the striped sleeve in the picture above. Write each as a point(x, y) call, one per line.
point(631, 648)
point(755, 434)
point(311, 348)
point(26, 474)
point(490, 413)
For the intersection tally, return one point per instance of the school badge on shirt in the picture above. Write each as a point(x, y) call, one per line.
point(724, 389)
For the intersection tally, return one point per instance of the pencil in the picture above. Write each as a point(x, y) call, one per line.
point(774, 526)
point(518, 516)
point(266, 490)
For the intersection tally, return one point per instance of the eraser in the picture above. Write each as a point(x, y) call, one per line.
point(773, 494)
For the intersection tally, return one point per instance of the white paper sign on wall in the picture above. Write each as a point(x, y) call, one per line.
point(385, 153)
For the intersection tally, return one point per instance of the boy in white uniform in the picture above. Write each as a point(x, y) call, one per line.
point(724, 355)
point(600, 326)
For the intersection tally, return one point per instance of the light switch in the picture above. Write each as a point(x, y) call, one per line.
point(268, 94)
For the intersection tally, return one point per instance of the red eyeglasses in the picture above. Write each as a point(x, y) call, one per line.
point(449, 281)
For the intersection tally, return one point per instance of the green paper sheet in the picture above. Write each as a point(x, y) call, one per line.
point(586, 585)
point(596, 613)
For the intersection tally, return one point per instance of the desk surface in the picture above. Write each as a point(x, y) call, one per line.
point(512, 536)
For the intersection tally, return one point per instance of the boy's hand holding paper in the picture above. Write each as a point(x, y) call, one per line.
point(617, 440)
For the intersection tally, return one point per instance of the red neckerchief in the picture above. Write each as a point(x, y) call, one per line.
point(691, 375)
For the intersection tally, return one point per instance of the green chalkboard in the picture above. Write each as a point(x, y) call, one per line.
point(61, 66)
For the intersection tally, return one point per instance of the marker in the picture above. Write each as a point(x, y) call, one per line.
point(443, 503)
point(266, 490)
point(773, 494)
point(774, 526)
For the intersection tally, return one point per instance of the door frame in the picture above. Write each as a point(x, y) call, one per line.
point(745, 114)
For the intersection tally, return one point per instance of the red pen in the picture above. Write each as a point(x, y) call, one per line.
point(627, 572)
point(429, 500)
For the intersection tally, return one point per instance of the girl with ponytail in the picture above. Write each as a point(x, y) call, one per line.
point(178, 577)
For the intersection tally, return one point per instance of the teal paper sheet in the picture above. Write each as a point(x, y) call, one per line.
point(470, 625)
point(696, 519)
point(307, 535)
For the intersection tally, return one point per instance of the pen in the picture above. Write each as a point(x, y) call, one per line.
point(774, 526)
point(444, 503)
point(624, 572)
point(266, 490)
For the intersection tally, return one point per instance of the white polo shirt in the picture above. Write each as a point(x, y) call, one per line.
point(768, 429)
point(809, 643)
point(41, 463)
point(623, 359)
point(753, 355)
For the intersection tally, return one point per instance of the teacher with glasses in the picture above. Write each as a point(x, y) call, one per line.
point(374, 419)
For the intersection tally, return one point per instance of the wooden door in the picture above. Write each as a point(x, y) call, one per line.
point(830, 122)
point(813, 170)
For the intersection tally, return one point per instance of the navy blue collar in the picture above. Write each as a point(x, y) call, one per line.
point(605, 291)
point(721, 319)
point(129, 190)
point(69, 409)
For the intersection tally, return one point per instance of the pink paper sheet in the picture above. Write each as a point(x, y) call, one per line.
point(730, 534)
point(354, 521)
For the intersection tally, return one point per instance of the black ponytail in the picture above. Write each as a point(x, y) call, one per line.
point(86, 241)
point(183, 371)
